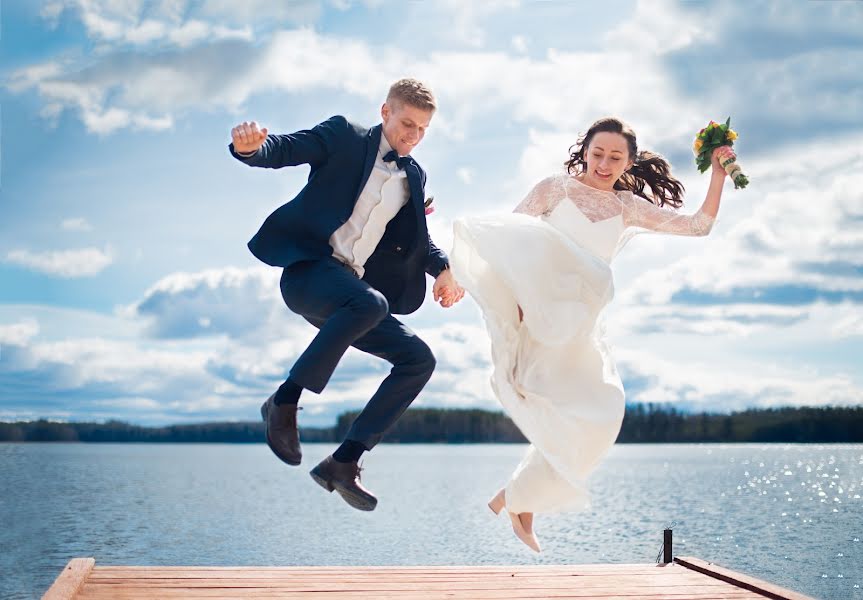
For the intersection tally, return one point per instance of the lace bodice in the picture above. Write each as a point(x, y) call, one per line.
point(601, 238)
point(598, 205)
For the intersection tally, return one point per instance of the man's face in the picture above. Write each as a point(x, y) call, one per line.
point(404, 125)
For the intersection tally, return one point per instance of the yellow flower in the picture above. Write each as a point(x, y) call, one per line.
point(697, 146)
point(732, 135)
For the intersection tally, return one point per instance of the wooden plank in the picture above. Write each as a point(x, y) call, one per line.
point(101, 573)
point(622, 567)
point(674, 581)
point(70, 579)
point(384, 585)
point(653, 583)
point(740, 580)
point(212, 594)
point(515, 595)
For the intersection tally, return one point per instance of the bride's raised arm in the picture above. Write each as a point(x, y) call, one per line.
point(639, 212)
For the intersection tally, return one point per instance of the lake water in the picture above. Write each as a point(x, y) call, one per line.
point(790, 514)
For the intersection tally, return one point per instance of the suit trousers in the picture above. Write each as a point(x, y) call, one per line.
point(349, 312)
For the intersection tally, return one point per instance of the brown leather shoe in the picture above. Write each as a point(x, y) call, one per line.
point(345, 479)
point(283, 438)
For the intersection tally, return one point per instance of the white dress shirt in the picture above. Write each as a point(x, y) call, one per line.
point(384, 194)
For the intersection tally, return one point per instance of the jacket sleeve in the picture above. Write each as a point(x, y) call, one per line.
point(309, 146)
point(437, 260)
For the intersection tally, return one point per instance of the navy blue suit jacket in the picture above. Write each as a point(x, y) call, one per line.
point(341, 155)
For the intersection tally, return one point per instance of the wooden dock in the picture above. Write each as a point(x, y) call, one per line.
point(683, 579)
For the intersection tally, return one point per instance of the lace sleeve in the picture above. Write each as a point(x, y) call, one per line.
point(639, 212)
point(538, 201)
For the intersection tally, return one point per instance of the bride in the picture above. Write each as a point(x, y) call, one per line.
point(542, 278)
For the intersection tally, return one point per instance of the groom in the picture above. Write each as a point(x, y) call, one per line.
point(355, 249)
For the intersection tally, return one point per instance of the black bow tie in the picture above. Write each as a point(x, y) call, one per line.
point(401, 161)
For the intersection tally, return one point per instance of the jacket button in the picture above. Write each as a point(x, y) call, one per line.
point(398, 248)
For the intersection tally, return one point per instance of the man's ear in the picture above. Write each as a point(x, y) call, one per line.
point(385, 111)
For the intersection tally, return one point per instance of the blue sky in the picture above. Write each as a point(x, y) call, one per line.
point(126, 289)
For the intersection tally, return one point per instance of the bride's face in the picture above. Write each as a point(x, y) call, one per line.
point(607, 158)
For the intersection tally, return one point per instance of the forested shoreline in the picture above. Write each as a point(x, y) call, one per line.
point(642, 424)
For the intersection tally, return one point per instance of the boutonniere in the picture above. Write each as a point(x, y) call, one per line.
point(428, 205)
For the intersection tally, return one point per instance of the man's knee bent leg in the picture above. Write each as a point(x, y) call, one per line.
point(419, 356)
point(370, 307)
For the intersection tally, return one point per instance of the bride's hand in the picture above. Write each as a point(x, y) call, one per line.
point(720, 155)
point(446, 290)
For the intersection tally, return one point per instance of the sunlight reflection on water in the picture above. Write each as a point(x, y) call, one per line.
point(790, 514)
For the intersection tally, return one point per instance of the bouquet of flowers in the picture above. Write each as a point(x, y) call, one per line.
point(709, 139)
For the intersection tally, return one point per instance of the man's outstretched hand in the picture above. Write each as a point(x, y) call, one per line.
point(446, 291)
point(247, 137)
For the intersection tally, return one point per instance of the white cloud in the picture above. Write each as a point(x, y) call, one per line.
point(261, 12)
point(800, 230)
point(466, 18)
point(638, 72)
point(732, 387)
point(563, 90)
point(519, 43)
point(736, 321)
point(93, 378)
point(225, 376)
point(51, 11)
point(465, 174)
point(848, 325)
point(27, 77)
point(234, 302)
point(213, 344)
point(659, 27)
point(180, 23)
point(20, 333)
point(76, 224)
point(85, 262)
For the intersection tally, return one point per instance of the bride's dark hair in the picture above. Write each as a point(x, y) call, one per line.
point(648, 167)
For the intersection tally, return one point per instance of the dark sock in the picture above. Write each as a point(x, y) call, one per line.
point(288, 393)
point(349, 451)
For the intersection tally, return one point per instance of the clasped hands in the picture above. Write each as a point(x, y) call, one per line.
point(446, 290)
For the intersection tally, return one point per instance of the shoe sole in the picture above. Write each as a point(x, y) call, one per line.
point(353, 500)
point(293, 463)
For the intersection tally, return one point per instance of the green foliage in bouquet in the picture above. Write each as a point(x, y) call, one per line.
point(709, 139)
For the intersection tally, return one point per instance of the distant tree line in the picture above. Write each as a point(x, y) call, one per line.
point(660, 424)
point(642, 424)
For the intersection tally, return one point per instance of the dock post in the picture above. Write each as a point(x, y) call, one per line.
point(667, 555)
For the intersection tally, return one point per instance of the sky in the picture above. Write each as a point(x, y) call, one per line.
point(126, 288)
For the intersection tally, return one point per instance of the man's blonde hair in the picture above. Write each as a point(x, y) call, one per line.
point(413, 92)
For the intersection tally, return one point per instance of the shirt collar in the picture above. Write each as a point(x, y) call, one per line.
point(384, 145)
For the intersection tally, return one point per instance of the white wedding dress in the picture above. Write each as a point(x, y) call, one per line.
point(552, 372)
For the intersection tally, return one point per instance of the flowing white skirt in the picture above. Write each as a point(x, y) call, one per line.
point(553, 373)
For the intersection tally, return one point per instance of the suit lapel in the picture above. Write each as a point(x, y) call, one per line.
point(416, 188)
point(374, 143)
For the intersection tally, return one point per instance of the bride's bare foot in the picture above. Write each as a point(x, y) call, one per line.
point(522, 525)
point(497, 503)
